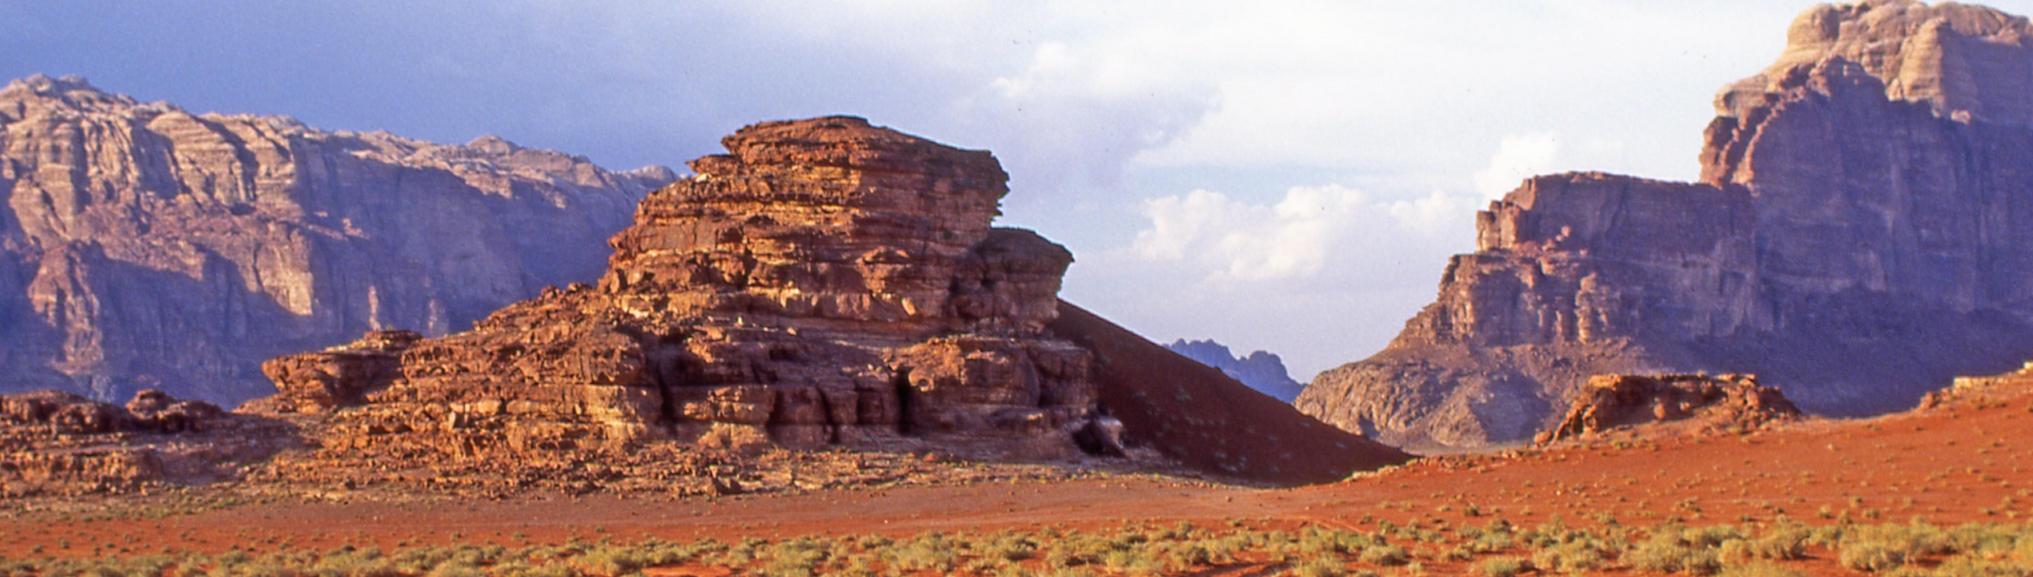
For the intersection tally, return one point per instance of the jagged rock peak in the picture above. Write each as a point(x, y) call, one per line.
point(1261, 370)
point(1965, 61)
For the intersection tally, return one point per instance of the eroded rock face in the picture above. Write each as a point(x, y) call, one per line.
point(1859, 236)
point(1980, 390)
point(826, 282)
point(145, 246)
point(57, 443)
point(1724, 403)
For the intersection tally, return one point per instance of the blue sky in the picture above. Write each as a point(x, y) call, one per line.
point(1288, 176)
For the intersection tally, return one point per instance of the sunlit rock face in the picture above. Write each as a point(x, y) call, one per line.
point(145, 246)
point(1860, 236)
point(824, 283)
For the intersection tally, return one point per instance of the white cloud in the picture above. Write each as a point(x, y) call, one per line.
point(1518, 157)
point(1312, 228)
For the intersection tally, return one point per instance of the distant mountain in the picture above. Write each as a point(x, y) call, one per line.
point(1862, 232)
point(143, 246)
point(1261, 370)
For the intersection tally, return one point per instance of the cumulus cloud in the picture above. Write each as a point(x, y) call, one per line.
point(1518, 157)
point(1077, 112)
point(1307, 231)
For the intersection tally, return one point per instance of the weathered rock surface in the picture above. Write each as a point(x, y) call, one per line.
point(56, 443)
point(1983, 389)
point(145, 246)
point(1860, 236)
point(825, 283)
point(1261, 370)
point(1725, 403)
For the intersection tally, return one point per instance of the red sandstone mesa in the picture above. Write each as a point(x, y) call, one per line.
point(1859, 236)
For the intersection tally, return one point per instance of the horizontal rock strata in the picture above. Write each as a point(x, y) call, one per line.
point(144, 246)
point(1859, 236)
point(824, 283)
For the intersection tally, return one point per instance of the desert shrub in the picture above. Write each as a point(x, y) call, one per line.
point(1320, 567)
point(607, 561)
point(1669, 551)
point(1970, 566)
point(355, 563)
point(1760, 569)
point(1577, 556)
point(1386, 555)
point(1886, 547)
point(1502, 567)
point(931, 552)
point(1872, 556)
point(1784, 542)
point(797, 558)
point(457, 568)
point(1983, 540)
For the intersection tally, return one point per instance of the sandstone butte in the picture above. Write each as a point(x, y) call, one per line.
point(821, 298)
point(1860, 235)
point(143, 246)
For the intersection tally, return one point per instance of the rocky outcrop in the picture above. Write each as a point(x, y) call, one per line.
point(1261, 370)
point(1724, 403)
point(145, 246)
point(1980, 390)
point(56, 443)
point(824, 283)
point(1859, 236)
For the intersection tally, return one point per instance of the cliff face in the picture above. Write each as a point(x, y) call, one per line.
point(824, 284)
point(1859, 237)
point(1261, 370)
point(145, 246)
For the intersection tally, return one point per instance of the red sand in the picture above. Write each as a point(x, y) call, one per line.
point(1949, 466)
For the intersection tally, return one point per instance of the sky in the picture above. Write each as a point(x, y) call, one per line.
point(1287, 176)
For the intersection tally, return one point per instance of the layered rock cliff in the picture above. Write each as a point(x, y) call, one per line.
point(1261, 370)
point(145, 246)
point(824, 284)
point(1860, 235)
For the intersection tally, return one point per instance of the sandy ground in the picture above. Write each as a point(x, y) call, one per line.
point(1948, 466)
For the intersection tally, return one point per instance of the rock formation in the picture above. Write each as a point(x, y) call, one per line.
point(826, 282)
point(145, 246)
point(1261, 370)
point(55, 443)
point(1859, 236)
point(1983, 389)
point(1725, 403)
